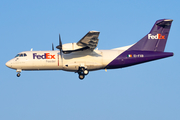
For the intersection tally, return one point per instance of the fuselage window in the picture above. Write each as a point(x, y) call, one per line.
point(25, 55)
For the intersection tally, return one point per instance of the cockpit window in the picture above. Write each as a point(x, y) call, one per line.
point(21, 55)
point(17, 55)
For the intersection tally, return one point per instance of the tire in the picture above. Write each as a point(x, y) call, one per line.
point(82, 68)
point(86, 72)
point(18, 75)
point(81, 77)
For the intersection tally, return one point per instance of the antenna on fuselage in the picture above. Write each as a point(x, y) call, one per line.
point(31, 49)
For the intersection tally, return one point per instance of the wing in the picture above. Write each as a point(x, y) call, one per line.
point(90, 40)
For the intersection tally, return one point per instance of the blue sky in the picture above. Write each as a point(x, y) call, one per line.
point(148, 91)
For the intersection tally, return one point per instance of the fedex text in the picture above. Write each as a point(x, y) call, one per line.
point(158, 36)
point(44, 56)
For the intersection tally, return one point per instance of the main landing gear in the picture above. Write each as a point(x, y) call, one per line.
point(82, 72)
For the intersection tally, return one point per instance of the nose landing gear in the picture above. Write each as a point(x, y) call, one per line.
point(18, 75)
point(18, 72)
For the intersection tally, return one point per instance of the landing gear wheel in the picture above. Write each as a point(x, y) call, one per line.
point(85, 72)
point(81, 69)
point(18, 75)
point(81, 77)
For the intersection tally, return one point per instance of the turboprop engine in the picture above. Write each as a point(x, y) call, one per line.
point(72, 47)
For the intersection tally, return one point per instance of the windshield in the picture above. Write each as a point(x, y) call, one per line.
point(21, 55)
point(17, 55)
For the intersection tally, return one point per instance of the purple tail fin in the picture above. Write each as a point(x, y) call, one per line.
point(156, 39)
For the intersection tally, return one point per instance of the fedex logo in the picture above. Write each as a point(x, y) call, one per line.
point(158, 36)
point(44, 56)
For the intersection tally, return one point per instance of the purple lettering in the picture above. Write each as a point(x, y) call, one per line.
point(34, 55)
point(44, 56)
point(39, 56)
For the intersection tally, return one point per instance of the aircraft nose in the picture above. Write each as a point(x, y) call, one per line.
point(8, 64)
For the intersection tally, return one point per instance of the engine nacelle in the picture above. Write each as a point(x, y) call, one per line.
point(71, 47)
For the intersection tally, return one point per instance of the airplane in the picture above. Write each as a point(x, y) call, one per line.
point(82, 57)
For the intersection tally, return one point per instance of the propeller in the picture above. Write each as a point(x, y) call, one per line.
point(60, 46)
point(52, 47)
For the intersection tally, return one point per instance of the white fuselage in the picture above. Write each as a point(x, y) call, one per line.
point(51, 60)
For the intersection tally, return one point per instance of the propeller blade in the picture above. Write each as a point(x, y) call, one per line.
point(60, 46)
point(60, 43)
point(52, 47)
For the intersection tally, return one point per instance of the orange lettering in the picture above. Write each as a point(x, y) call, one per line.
point(161, 36)
point(48, 56)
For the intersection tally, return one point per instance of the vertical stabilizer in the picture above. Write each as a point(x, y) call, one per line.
point(156, 39)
